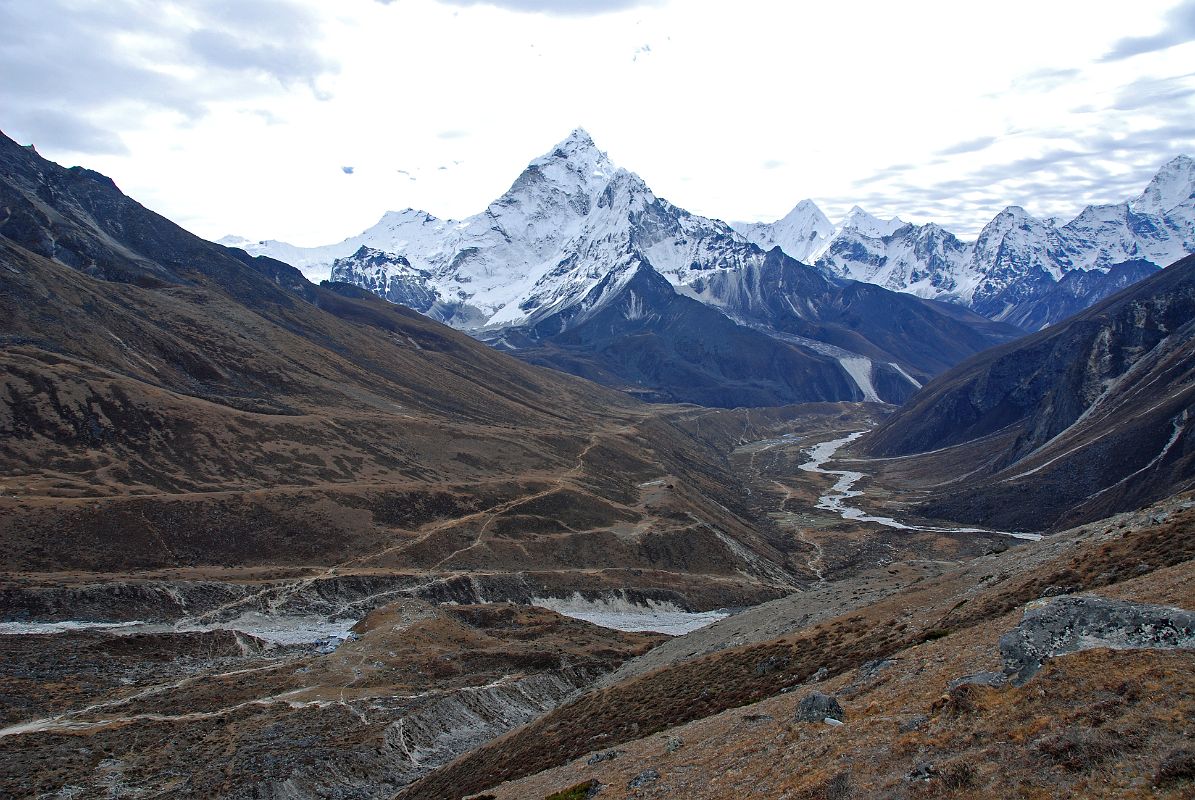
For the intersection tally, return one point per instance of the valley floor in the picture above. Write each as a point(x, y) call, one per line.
point(357, 677)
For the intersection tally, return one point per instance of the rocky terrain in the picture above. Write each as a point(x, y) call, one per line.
point(920, 693)
point(265, 538)
point(213, 473)
point(414, 685)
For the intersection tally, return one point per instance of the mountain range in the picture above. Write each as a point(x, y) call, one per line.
point(561, 228)
point(579, 266)
point(168, 401)
point(1027, 271)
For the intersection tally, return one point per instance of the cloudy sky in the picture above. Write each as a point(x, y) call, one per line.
point(304, 120)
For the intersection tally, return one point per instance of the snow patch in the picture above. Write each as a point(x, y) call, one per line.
point(904, 374)
point(285, 630)
point(622, 615)
point(859, 368)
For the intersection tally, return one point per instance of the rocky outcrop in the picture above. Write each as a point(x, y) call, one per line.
point(1038, 301)
point(819, 707)
point(1069, 624)
point(116, 601)
point(462, 720)
point(388, 276)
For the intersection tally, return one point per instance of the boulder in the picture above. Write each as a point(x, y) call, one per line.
point(1069, 624)
point(643, 779)
point(816, 707)
point(993, 679)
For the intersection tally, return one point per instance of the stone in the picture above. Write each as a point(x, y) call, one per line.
point(674, 743)
point(914, 723)
point(870, 668)
point(770, 664)
point(598, 758)
point(923, 771)
point(816, 707)
point(993, 679)
point(1073, 623)
point(643, 779)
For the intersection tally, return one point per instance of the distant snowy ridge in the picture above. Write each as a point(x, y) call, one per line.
point(1016, 259)
point(574, 227)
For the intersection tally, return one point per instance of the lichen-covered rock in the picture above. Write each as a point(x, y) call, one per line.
point(598, 758)
point(1069, 624)
point(816, 707)
point(993, 679)
point(913, 723)
point(643, 779)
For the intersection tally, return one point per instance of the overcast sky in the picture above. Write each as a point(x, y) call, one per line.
point(304, 121)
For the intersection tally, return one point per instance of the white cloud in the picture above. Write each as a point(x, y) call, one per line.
point(562, 8)
point(238, 116)
point(1179, 28)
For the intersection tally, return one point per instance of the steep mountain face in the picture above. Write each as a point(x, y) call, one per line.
point(1020, 261)
point(388, 276)
point(924, 260)
point(568, 223)
point(1043, 301)
point(554, 258)
point(802, 232)
point(848, 318)
point(1013, 271)
point(662, 346)
point(1078, 421)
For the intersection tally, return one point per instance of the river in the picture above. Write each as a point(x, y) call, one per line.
point(843, 489)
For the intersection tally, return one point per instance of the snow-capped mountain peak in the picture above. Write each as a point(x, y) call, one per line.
point(1015, 244)
point(868, 224)
point(1015, 214)
point(805, 214)
point(578, 148)
point(1173, 186)
point(573, 220)
point(800, 233)
point(574, 168)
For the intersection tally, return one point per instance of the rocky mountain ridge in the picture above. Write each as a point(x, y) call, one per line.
point(1013, 270)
